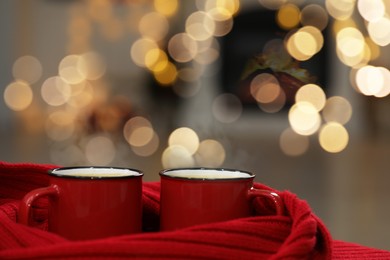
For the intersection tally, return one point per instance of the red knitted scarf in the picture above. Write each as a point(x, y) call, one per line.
point(297, 235)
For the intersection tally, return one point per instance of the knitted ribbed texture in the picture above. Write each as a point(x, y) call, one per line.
point(346, 250)
point(297, 235)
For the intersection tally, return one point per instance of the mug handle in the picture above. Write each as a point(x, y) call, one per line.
point(30, 197)
point(273, 196)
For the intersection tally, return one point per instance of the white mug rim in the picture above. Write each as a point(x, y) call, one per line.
point(56, 172)
point(248, 175)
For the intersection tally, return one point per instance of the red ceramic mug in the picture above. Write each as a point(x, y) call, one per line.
point(90, 202)
point(202, 195)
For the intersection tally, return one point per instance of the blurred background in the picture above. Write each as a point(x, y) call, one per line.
point(295, 91)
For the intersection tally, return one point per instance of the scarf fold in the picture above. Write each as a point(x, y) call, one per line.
point(299, 234)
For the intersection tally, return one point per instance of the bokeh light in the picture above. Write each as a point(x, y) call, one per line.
point(141, 136)
point(340, 9)
point(276, 105)
point(223, 21)
point(149, 148)
point(230, 7)
point(305, 43)
point(91, 66)
point(385, 89)
point(167, 76)
point(372, 80)
point(350, 46)
point(310, 33)
point(185, 150)
point(27, 68)
point(288, 16)
point(314, 15)
point(337, 109)
point(139, 50)
point(156, 60)
point(293, 144)
point(185, 137)
point(371, 10)
point(55, 91)
point(69, 71)
point(379, 32)
point(333, 137)
point(200, 26)
point(18, 95)
point(177, 156)
point(350, 41)
point(266, 90)
point(304, 118)
point(211, 153)
point(182, 47)
point(138, 131)
point(369, 80)
point(313, 94)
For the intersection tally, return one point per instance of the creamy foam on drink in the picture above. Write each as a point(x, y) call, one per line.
point(207, 174)
point(96, 172)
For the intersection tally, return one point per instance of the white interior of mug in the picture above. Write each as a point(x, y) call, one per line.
point(95, 172)
point(207, 174)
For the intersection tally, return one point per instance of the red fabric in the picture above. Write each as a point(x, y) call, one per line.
point(297, 235)
point(346, 250)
